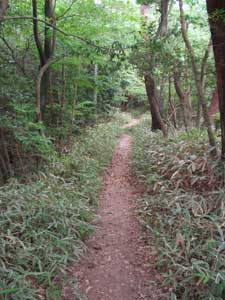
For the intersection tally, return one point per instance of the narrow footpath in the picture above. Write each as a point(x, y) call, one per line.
point(118, 266)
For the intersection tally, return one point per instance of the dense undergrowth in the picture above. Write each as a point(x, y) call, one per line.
point(184, 209)
point(43, 225)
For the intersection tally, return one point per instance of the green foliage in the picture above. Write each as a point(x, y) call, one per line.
point(183, 209)
point(44, 224)
point(217, 121)
point(84, 39)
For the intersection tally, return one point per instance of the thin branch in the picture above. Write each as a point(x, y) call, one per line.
point(13, 55)
point(88, 42)
point(70, 17)
point(67, 10)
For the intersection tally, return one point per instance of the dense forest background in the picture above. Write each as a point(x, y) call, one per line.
point(63, 66)
point(66, 64)
point(72, 73)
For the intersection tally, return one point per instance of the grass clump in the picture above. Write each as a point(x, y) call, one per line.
point(184, 209)
point(43, 225)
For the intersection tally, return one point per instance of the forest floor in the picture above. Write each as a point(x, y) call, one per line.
point(119, 264)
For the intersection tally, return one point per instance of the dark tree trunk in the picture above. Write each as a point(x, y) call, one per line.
point(162, 95)
point(150, 84)
point(157, 121)
point(45, 90)
point(203, 76)
point(214, 105)
point(163, 25)
point(4, 4)
point(45, 55)
point(46, 80)
point(63, 93)
point(217, 26)
point(172, 106)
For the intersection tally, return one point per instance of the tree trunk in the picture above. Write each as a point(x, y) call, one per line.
point(203, 73)
point(172, 107)
point(162, 95)
point(217, 26)
point(39, 86)
point(4, 4)
point(95, 93)
point(46, 80)
point(45, 90)
point(45, 56)
point(184, 101)
point(150, 84)
point(63, 93)
point(76, 86)
point(197, 77)
point(163, 25)
point(157, 121)
point(214, 105)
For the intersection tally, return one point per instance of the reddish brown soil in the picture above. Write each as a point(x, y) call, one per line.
point(118, 266)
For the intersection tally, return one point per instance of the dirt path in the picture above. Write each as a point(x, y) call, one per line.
point(134, 122)
point(117, 266)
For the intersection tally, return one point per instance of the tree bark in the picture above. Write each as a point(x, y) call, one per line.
point(157, 122)
point(63, 93)
point(162, 95)
point(203, 73)
point(46, 80)
point(197, 77)
point(41, 73)
point(4, 4)
point(163, 25)
point(46, 53)
point(150, 84)
point(37, 35)
point(217, 26)
point(214, 105)
point(184, 101)
point(172, 107)
point(76, 86)
point(95, 92)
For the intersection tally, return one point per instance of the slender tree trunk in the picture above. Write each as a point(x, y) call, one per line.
point(172, 107)
point(157, 121)
point(197, 77)
point(214, 105)
point(217, 26)
point(5, 155)
point(163, 25)
point(37, 35)
point(95, 94)
point(4, 4)
point(203, 73)
point(204, 63)
point(45, 90)
point(45, 55)
point(46, 79)
point(63, 93)
point(161, 95)
point(38, 88)
point(76, 86)
point(184, 101)
point(150, 84)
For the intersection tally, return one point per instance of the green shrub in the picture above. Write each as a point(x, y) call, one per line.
point(43, 225)
point(184, 209)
